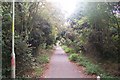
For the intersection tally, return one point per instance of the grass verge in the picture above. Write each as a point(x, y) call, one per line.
point(91, 68)
point(42, 60)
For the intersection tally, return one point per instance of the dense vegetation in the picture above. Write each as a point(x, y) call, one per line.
point(94, 30)
point(90, 67)
point(34, 33)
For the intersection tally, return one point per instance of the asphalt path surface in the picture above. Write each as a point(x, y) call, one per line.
point(61, 67)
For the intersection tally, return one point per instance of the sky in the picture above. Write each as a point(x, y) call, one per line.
point(67, 6)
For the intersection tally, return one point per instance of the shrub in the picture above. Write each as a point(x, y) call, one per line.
point(38, 71)
point(68, 50)
point(73, 57)
point(42, 59)
point(92, 69)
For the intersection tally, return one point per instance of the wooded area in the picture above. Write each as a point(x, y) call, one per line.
point(93, 30)
point(34, 29)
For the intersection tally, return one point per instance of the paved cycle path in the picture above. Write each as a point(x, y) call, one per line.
point(61, 67)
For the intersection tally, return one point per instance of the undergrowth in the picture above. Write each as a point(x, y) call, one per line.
point(91, 68)
point(68, 50)
point(38, 71)
point(41, 60)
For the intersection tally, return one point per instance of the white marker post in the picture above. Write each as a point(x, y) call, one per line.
point(98, 77)
point(13, 53)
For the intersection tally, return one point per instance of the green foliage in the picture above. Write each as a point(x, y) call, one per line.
point(91, 68)
point(36, 27)
point(83, 61)
point(6, 39)
point(99, 28)
point(43, 59)
point(73, 57)
point(96, 32)
point(38, 71)
point(68, 50)
point(32, 31)
point(23, 55)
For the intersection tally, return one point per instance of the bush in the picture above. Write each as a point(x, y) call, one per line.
point(38, 71)
point(42, 59)
point(90, 67)
point(68, 50)
point(73, 57)
point(93, 69)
